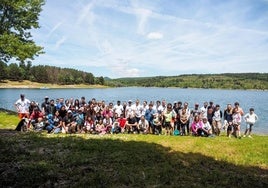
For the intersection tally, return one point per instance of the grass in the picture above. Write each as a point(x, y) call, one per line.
point(29, 84)
point(42, 160)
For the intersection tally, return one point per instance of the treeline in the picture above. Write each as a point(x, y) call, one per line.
point(46, 74)
point(223, 81)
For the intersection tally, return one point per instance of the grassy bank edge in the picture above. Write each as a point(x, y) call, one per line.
point(35, 85)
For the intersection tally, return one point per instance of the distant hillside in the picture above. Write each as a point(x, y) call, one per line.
point(47, 74)
point(221, 81)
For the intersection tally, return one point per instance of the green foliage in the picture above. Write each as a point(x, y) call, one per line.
point(127, 160)
point(8, 121)
point(3, 71)
point(224, 81)
point(17, 18)
point(99, 80)
point(47, 74)
point(15, 72)
point(43, 160)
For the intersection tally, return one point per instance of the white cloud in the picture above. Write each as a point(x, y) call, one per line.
point(54, 29)
point(86, 14)
point(155, 35)
point(122, 68)
point(60, 42)
point(121, 37)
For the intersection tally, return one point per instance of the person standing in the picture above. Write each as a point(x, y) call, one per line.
point(45, 106)
point(216, 120)
point(22, 106)
point(250, 119)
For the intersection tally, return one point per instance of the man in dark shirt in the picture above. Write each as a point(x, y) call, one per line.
point(69, 123)
point(45, 106)
point(131, 124)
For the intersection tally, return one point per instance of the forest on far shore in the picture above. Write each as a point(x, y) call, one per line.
point(67, 76)
point(206, 81)
point(47, 74)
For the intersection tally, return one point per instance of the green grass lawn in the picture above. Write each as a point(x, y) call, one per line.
point(38, 159)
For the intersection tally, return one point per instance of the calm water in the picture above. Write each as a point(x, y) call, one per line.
point(247, 99)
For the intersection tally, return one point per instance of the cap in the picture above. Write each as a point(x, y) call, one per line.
point(46, 97)
point(69, 111)
point(130, 101)
point(196, 104)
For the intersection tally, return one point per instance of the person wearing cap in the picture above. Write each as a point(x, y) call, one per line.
point(22, 106)
point(129, 109)
point(45, 106)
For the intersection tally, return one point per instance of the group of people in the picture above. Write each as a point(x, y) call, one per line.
point(154, 117)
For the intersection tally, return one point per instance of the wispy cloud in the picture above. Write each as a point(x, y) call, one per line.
point(60, 42)
point(144, 38)
point(155, 35)
point(86, 14)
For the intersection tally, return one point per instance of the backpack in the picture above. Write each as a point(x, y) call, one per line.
point(176, 132)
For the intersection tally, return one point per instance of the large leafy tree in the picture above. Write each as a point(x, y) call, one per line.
point(17, 18)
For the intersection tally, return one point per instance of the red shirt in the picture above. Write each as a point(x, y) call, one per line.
point(122, 122)
point(36, 115)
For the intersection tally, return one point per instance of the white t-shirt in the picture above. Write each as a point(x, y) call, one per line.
point(129, 110)
point(137, 110)
point(144, 124)
point(251, 118)
point(118, 109)
point(206, 126)
point(23, 106)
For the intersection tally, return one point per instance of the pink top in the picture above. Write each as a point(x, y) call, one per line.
point(196, 125)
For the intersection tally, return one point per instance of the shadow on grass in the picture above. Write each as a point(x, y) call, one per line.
point(33, 160)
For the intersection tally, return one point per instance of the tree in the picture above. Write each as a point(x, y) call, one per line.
point(15, 72)
point(17, 18)
point(100, 80)
point(3, 72)
point(89, 78)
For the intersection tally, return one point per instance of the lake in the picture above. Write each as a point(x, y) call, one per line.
point(247, 98)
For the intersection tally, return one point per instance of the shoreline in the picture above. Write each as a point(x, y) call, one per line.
point(26, 84)
point(6, 84)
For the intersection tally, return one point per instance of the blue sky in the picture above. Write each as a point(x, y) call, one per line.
point(129, 38)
